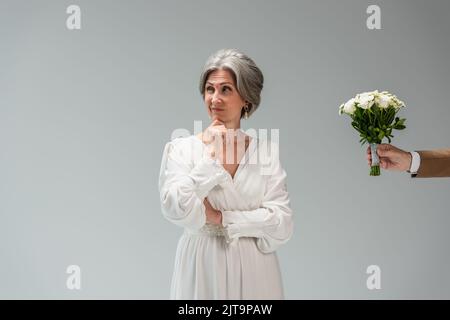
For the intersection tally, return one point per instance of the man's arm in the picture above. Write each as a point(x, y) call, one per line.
point(433, 163)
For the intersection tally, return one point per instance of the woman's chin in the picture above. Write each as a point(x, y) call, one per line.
point(215, 116)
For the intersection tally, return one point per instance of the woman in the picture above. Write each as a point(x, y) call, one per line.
point(233, 213)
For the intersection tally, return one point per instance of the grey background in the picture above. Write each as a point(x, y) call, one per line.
point(84, 116)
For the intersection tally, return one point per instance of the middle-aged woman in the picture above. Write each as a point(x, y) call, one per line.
point(235, 213)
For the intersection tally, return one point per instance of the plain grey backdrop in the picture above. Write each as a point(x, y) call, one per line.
point(85, 114)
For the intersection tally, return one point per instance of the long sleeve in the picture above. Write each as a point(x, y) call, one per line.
point(272, 223)
point(183, 185)
point(434, 163)
point(415, 162)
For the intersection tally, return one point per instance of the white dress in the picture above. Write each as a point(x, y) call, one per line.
point(238, 260)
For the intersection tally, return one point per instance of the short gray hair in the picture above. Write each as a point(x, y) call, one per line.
point(248, 78)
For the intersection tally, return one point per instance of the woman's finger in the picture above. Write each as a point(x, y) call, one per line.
point(216, 122)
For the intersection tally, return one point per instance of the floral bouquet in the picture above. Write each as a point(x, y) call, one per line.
point(373, 116)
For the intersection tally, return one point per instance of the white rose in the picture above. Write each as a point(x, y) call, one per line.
point(399, 103)
point(349, 106)
point(365, 100)
point(383, 101)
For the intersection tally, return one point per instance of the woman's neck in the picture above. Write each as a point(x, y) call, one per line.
point(232, 125)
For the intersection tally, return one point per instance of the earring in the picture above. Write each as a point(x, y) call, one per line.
point(246, 112)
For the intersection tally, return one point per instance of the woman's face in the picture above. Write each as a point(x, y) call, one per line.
point(222, 99)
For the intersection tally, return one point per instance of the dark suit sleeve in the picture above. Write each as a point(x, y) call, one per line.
point(434, 163)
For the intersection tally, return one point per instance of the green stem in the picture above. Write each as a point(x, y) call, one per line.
point(375, 170)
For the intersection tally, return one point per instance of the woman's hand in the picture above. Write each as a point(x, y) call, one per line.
point(214, 137)
point(213, 216)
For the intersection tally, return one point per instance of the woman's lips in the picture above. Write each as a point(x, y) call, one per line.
point(216, 109)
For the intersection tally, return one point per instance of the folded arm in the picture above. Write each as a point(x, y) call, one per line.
point(183, 186)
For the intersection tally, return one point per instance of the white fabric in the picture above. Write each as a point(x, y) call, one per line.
point(237, 261)
point(415, 162)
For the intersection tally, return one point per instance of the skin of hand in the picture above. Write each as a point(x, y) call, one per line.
point(217, 139)
point(214, 137)
point(391, 157)
point(213, 216)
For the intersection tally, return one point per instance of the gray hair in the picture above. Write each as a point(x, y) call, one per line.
point(248, 78)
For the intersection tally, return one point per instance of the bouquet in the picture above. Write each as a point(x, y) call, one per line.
point(373, 116)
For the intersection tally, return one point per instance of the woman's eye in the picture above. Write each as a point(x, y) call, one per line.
point(211, 89)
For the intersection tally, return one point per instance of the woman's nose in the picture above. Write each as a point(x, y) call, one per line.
point(215, 98)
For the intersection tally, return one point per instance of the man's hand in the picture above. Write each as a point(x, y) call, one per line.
point(391, 158)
